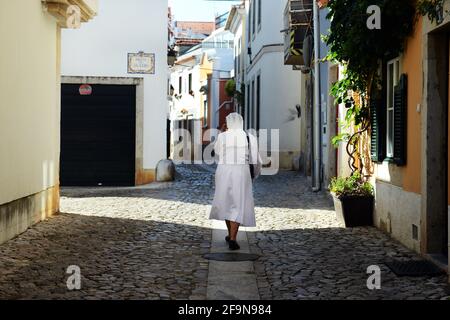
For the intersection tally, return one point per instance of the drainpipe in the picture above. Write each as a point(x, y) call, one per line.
point(317, 111)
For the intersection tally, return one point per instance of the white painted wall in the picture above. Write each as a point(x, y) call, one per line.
point(100, 48)
point(187, 101)
point(280, 85)
point(396, 211)
point(222, 65)
point(237, 27)
point(280, 93)
point(271, 24)
point(29, 104)
point(239, 54)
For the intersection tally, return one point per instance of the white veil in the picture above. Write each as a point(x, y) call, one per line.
point(235, 121)
point(235, 140)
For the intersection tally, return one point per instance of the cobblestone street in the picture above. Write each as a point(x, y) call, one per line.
point(148, 242)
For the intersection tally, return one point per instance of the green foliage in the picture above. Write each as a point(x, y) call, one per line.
point(230, 88)
point(430, 8)
point(351, 186)
point(240, 95)
point(340, 90)
point(342, 137)
point(360, 50)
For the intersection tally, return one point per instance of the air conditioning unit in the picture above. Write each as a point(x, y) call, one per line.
point(298, 20)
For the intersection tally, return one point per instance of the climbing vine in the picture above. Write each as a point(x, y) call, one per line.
point(433, 9)
point(360, 50)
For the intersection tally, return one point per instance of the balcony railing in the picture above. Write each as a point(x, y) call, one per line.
point(298, 23)
point(221, 20)
point(218, 44)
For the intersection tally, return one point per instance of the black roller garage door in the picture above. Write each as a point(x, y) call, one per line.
point(98, 136)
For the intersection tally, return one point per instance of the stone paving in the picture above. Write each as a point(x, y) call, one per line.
point(147, 243)
point(130, 243)
point(306, 254)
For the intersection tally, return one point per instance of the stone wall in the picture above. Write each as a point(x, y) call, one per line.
point(396, 212)
point(18, 215)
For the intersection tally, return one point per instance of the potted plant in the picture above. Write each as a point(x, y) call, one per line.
point(353, 200)
point(230, 88)
point(359, 50)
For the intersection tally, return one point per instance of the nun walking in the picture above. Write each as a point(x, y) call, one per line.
point(239, 165)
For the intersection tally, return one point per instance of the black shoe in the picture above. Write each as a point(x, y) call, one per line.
point(227, 239)
point(233, 245)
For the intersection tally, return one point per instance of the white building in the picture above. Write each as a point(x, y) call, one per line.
point(185, 80)
point(196, 82)
point(236, 24)
point(126, 95)
point(273, 98)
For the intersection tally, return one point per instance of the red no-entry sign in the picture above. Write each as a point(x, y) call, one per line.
point(85, 90)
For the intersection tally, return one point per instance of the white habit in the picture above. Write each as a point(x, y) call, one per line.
point(233, 199)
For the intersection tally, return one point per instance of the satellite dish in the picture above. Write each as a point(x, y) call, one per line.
point(307, 51)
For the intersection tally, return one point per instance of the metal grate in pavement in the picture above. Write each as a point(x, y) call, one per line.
point(414, 268)
point(231, 257)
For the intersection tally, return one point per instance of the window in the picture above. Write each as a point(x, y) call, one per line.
point(249, 27)
point(247, 107)
point(239, 56)
point(258, 100)
point(205, 113)
point(180, 85)
point(259, 13)
point(254, 16)
point(253, 105)
point(236, 71)
point(393, 76)
point(388, 116)
point(190, 83)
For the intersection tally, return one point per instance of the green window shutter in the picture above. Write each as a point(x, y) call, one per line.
point(378, 131)
point(400, 120)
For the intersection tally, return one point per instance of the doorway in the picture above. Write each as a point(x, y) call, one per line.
point(435, 166)
point(98, 134)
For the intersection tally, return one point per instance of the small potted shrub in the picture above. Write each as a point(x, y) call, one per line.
point(353, 200)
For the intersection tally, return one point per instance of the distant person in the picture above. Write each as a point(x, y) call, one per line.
point(239, 164)
point(223, 128)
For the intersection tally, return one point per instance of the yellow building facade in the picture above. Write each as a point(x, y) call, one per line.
point(30, 108)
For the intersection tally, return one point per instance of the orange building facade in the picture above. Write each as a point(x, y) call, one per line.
point(413, 198)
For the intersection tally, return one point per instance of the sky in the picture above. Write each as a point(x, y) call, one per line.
point(199, 10)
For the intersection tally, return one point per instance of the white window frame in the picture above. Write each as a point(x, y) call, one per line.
point(259, 14)
point(205, 113)
point(253, 108)
point(249, 21)
point(258, 100)
point(248, 102)
point(239, 50)
point(254, 18)
point(392, 81)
